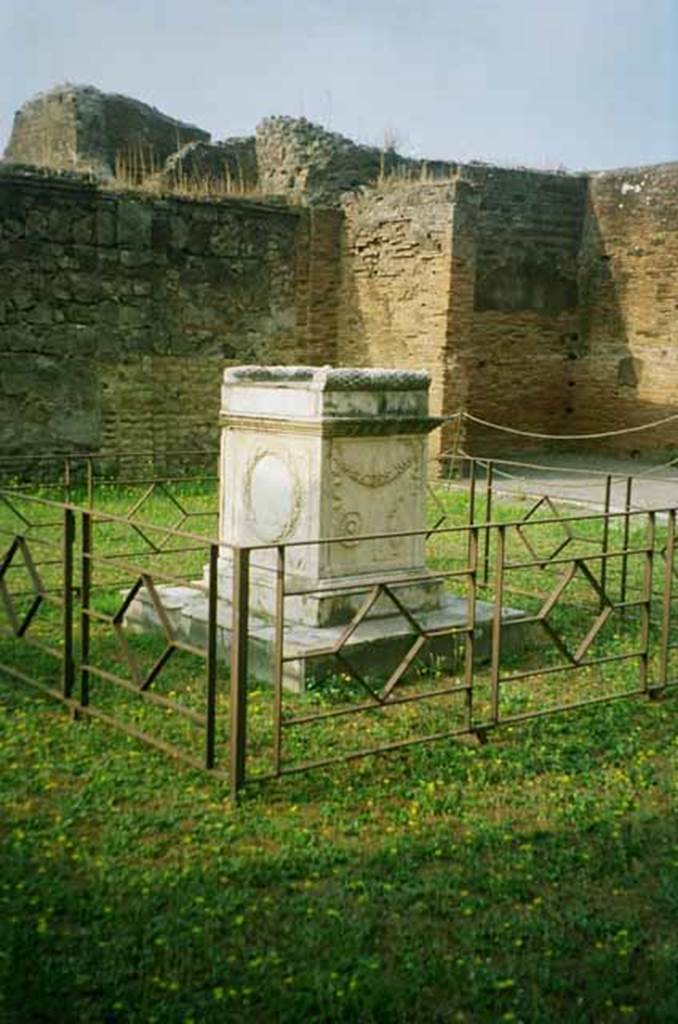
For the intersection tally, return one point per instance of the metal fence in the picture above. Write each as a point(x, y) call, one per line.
point(67, 579)
point(573, 599)
point(594, 593)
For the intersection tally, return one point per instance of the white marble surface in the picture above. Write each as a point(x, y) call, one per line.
point(311, 454)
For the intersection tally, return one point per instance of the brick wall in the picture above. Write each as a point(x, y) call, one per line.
point(118, 313)
point(524, 330)
point(543, 301)
point(628, 373)
point(318, 276)
point(476, 281)
point(395, 280)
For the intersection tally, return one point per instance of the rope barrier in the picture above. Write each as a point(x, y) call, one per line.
point(671, 464)
point(563, 437)
point(521, 464)
point(523, 482)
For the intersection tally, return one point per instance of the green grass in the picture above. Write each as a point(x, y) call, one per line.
point(532, 879)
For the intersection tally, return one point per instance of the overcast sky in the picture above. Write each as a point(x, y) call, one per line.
point(578, 83)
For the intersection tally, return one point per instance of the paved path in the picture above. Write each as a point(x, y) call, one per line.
point(581, 479)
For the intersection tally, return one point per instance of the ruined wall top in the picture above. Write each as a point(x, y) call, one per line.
point(81, 128)
point(307, 162)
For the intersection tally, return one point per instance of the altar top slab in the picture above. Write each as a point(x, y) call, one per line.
point(325, 393)
point(329, 378)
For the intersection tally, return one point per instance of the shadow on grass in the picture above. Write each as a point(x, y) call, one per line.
point(152, 911)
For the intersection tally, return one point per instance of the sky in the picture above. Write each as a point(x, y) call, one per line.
point(579, 84)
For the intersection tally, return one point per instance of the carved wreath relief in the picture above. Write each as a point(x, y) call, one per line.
point(374, 489)
point(273, 495)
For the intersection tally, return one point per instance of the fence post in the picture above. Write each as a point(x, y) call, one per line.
point(278, 656)
point(666, 603)
point(68, 663)
point(89, 470)
point(646, 604)
point(625, 542)
point(213, 593)
point(606, 542)
point(488, 520)
point(241, 566)
point(470, 638)
point(472, 493)
point(496, 622)
point(85, 594)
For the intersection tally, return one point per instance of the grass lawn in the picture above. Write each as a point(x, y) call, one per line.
point(532, 879)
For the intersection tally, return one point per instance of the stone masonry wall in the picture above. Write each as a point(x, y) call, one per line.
point(308, 164)
point(118, 313)
point(395, 280)
point(476, 281)
point(514, 362)
point(629, 308)
point(230, 166)
point(81, 128)
point(539, 300)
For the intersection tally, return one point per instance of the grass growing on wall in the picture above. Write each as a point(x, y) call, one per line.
point(533, 879)
point(137, 169)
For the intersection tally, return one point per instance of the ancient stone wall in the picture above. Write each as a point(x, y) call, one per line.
point(395, 280)
point(228, 166)
point(475, 280)
point(540, 300)
point(512, 366)
point(81, 128)
point(118, 312)
point(628, 374)
point(306, 163)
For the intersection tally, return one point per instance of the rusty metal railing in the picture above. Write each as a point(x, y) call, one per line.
point(585, 574)
point(79, 476)
point(68, 579)
point(82, 583)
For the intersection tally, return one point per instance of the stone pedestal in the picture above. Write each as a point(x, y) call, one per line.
point(330, 463)
point(326, 453)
